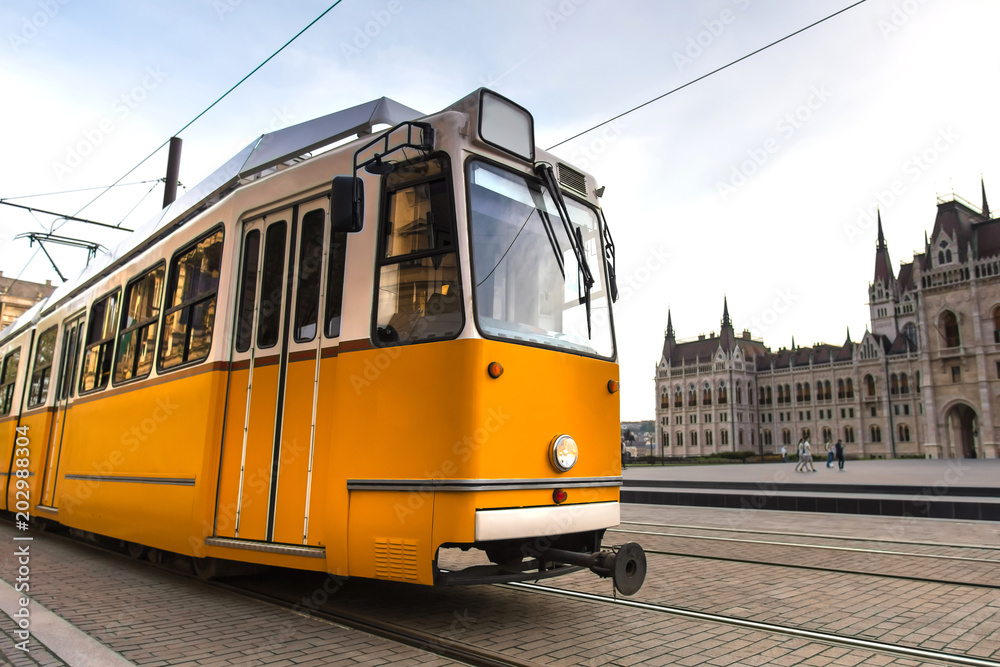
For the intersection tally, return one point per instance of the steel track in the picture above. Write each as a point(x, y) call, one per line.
point(826, 637)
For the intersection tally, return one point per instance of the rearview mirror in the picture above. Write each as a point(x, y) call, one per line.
point(347, 204)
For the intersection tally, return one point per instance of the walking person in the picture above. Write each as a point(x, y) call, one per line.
point(829, 454)
point(784, 455)
point(801, 451)
point(807, 459)
point(839, 447)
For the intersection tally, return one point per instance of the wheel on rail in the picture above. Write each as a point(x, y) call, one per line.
point(134, 550)
point(154, 556)
point(205, 568)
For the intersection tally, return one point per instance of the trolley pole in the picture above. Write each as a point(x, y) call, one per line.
point(173, 171)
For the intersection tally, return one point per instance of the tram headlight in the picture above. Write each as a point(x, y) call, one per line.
point(563, 452)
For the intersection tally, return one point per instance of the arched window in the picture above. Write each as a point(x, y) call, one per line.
point(916, 387)
point(767, 437)
point(739, 393)
point(723, 397)
point(680, 439)
point(827, 394)
point(996, 325)
point(850, 388)
point(786, 436)
point(827, 434)
point(666, 439)
point(848, 434)
point(807, 434)
point(949, 327)
point(752, 439)
point(841, 390)
point(739, 437)
point(724, 436)
point(761, 396)
point(904, 384)
point(708, 437)
point(750, 393)
point(910, 331)
point(798, 392)
point(678, 397)
point(893, 384)
point(807, 392)
point(870, 383)
point(904, 433)
point(876, 434)
point(781, 394)
point(706, 394)
point(768, 393)
point(692, 396)
point(694, 438)
point(664, 403)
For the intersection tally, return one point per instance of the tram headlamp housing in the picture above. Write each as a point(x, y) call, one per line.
point(506, 125)
point(563, 452)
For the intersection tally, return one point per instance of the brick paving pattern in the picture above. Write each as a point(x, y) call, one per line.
point(154, 617)
point(10, 655)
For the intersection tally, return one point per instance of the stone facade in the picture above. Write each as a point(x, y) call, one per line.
point(924, 381)
point(17, 296)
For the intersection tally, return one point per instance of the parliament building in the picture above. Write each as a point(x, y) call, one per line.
point(924, 381)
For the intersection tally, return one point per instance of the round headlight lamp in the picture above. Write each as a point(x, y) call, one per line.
point(563, 452)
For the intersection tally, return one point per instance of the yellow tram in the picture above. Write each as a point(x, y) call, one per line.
point(355, 359)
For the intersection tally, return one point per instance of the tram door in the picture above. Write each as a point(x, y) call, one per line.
point(267, 450)
point(65, 390)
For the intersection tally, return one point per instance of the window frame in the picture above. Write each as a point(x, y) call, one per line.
point(122, 329)
point(34, 368)
point(385, 192)
point(169, 287)
point(4, 364)
point(85, 346)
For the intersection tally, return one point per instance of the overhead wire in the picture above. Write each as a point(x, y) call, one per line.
point(210, 106)
point(63, 192)
point(705, 76)
point(105, 189)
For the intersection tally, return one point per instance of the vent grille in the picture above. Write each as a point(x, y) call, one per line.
point(572, 179)
point(396, 559)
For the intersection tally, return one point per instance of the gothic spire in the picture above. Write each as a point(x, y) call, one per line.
point(725, 313)
point(883, 265)
point(881, 237)
point(986, 206)
point(670, 325)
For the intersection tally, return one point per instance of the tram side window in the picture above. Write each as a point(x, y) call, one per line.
point(248, 290)
point(8, 377)
point(97, 356)
point(309, 271)
point(419, 290)
point(337, 263)
point(140, 315)
point(191, 299)
point(272, 284)
point(38, 391)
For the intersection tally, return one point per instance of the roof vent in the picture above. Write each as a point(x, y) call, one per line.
point(572, 179)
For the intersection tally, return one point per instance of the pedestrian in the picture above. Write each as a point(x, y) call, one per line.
point(801, 451)
point(839, 447)
point(624, 457)
point(807, 459)
point(784, 455)
point(829, 454)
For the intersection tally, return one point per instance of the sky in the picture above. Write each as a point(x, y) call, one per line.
point(757, 184)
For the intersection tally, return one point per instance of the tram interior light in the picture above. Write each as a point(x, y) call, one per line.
point(506, 125)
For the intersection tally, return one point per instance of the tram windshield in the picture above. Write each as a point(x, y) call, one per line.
point(529, 286)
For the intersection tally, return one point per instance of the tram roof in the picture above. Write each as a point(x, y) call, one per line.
point(267, 151)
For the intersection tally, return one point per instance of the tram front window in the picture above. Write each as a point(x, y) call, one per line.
point(419, 288)
point(518, 240)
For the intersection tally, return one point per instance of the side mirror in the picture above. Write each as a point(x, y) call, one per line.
point(347, 204)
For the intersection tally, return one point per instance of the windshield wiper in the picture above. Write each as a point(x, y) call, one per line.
point(544, 170)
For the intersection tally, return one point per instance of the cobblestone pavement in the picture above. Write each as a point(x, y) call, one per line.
point(154, 617)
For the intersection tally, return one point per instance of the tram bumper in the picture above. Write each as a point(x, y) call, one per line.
point(531, 543)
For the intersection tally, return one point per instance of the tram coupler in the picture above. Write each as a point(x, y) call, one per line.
point(626, 566)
